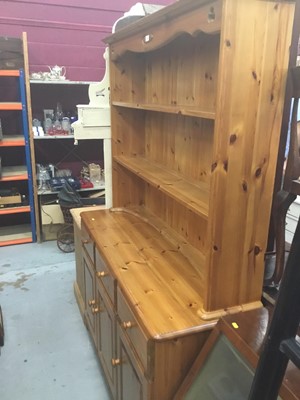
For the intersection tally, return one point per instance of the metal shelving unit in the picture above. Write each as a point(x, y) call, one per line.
point(17, 220)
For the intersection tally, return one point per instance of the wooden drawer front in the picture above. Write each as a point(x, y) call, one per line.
point(104, 275)
point(87, 243)
point(131, 329)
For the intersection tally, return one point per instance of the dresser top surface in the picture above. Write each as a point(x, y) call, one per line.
point(157, 279)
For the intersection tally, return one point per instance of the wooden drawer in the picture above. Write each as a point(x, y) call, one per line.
point(87, 243)
point(131, 329)
point(104, 275)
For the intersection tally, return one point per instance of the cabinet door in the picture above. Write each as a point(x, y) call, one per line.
point(105, 337)
point(132, 384)
point(90, 298)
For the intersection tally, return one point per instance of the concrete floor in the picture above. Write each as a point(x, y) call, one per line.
point(47, 353)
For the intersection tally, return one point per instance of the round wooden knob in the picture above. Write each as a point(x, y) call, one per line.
point(95, 310)
point(91, 303)
point(85, 241)
point(127, 324)
point(115, 362)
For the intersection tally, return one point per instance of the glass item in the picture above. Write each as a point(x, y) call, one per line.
point(65, 124)
point(95, 173)
point(225, 375)
point(59, 112)
point(36, 122)
point(47, 124)
point(43, 178)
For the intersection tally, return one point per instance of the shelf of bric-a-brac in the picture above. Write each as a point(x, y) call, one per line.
point(62, 151)
point(17, 209)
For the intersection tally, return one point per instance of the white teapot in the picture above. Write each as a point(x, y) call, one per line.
point(57, 72)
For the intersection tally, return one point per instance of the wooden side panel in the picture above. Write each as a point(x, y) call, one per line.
point(173, 359)
point(128, 189)
point(128, 139)
point(184, 72)
point(181, 144)
point(191, 227)
point(128, 78)
point(253, 64)
point(128, 129)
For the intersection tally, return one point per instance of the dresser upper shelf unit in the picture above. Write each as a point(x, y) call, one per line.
point(192, 123)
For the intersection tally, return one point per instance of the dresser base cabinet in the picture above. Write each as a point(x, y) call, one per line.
point(143, 357)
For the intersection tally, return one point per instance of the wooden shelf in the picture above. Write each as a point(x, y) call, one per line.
point(59, 82)
point(14, 210)
point(15, 235)
point(16, 173)
point(49, 137)
point(11, 72)
point(182, 110)
point(95, 188)
point(11, 106)
point(192, 196)
point(12, 141)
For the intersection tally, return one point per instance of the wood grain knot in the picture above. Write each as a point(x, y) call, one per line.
point(244, 186)
point(225, 165)
point(232, 138)
point(215, 248)
point(257, 250)
point(254, 75)
point(149, 291)
point(272, 98)
point(214, 166)
point(227, 42)
point(258, 172)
